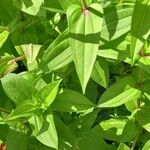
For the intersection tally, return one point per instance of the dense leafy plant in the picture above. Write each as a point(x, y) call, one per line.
point(75, 74)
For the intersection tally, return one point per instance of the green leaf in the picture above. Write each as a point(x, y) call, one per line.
point(3, 37)
point(111, 129)
point(58, 54)
point(142, 116)
point(130, 131)
point(123, 146)
point(65, 134)
point(140, 28)
point(100, 73)
point(117, 21)
point(24, 110)
point(120, 93)
point(71, 101)
point(94, 143)
point(48, 134)
point(4, 129)
point(16, 87)
point(117, 49)
point(61, 60)
point(84, 38)
point(146, 146)
point(144, 63)
point(16, 139)
point(30, 51)
point(66, 3)
point(6, 65)
point(53, 6)
point(7, 12)
point(37, 122)
point(31, 7)
point(49, 92)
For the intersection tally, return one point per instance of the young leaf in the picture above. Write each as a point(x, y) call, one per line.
point(24, 110)
point(71, 101)
point(140, 27)
point(120, 93)
point(84, 28)
point(48, 93)
point(16, 87)
point(48, 134)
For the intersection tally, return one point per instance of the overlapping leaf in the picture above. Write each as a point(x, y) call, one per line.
point(84, 38)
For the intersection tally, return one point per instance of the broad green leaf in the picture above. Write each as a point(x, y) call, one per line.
point(142, 116)
point(4, 129)
point(37, 122)
point(84, 122)
point(140, 27)
point(48, 134)
point(66, 3)
point(117, 21)
point(31, 7)
point(30, 51)
point(117, 49)
point(53, 6)
point(92, 143)
point(16, 139)
point(120, 93)
point(7, 12)
point(49, 92)
point(130, 131)
point(3, 37)
point(131, 105)
point(84, 38)
point(146, 146)
point(16, 87)
point(65, 134)
point(24, 110)
point(61, 60)
point(113, 54)
point(100, 73)
point(71, 101)
point(111, 129)
point(123, 146)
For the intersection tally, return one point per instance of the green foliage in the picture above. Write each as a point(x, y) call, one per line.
point(75, 74)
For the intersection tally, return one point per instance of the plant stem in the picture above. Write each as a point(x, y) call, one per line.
point(5, 110)
point(17, 59)
point(84, 4)
point(136, 139)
